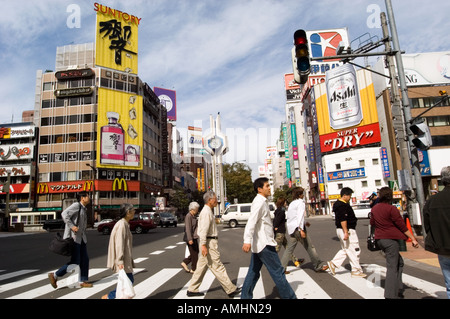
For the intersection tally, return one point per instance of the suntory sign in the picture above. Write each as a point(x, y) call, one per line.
point(116, 39)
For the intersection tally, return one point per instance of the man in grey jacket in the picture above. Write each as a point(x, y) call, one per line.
point(75, 218)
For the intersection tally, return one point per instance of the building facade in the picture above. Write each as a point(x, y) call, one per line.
point(17, 173)
point(78, 111)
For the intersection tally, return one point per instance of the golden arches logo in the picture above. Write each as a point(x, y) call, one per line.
point(88, 186)
point(120, 184)
point(42, 188)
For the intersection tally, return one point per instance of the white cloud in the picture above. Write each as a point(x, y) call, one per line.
point(220, 56)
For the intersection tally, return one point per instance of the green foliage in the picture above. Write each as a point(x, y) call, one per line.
point(285, 192)
point(239, 184)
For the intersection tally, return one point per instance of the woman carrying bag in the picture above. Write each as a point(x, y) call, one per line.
point(120, 246)
point(389, 229)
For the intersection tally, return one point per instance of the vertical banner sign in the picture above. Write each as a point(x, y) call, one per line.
point(385, 162)
point(286, 145)
point(116, 45)
point(120, 130)
point(168, 99)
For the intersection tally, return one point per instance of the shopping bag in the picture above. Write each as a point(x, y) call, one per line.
point(124, 289)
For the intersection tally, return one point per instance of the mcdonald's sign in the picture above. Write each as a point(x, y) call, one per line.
point(42, 188)
point(120, 184)
point(88, 186)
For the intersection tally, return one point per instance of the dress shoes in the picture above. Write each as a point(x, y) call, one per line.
point(52, 279)
point(235, 293)
point(194, 294)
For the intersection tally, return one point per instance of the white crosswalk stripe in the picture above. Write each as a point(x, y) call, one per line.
point(258, 292)
point(102, 284)
point(304, 286)
point(16, 274)
point(148, 281)
point(206, 283)
point(423, 286)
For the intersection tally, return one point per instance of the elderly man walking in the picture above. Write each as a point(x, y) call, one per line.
point(209, 251)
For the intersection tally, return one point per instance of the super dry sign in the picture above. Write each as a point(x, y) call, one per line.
point(343, 128)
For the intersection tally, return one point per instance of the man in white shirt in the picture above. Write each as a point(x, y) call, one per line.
point(259, 238)
point(296, 227)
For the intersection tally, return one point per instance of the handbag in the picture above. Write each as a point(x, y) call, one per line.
point(372, 244)
point(63, 246)
point(124, 289)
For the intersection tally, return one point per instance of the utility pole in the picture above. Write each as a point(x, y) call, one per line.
point(417, 178)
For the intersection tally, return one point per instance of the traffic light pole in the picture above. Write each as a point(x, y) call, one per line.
point(419, 193)
point(401, 108)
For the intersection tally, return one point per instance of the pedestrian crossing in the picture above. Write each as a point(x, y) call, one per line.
point(29, 284)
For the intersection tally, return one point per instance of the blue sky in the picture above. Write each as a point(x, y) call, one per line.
point(220, 56)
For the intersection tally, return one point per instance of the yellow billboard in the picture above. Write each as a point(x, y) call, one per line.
point(116, 39)
point(120, 130)
point(347, 117)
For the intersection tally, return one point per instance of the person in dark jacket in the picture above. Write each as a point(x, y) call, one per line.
point(436, 218)
point(191, 237)
point(346, 221)
point(389, 229)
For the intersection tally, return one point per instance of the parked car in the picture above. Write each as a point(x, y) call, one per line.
point(238, 214)
point(106, 220)
point(141, 223)
point(53, 224)
point(154, 216)
point(361, 211)
point(167, 219)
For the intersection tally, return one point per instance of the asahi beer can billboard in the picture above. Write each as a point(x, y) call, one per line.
point(344, 105)
point(346, 110)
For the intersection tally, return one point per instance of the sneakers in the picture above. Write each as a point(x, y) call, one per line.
point(299, 262)
point(358, 274)
point(355, 274)
point(185, 267)
point(331, 267)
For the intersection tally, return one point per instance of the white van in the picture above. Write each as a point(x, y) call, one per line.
point(238, 214)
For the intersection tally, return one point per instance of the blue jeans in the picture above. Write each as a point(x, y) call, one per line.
point(112, 294)
point(79, 257)
point(269, 257)
point(444, 261)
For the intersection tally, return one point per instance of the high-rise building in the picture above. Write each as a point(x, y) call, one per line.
point(102, 129)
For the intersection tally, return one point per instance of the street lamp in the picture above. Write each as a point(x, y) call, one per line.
point(94, 169)
point(6, 189)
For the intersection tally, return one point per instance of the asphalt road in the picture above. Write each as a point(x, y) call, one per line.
point(161, 250)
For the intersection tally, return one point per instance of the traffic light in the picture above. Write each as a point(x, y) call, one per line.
point(423, 139)
point(300, 57)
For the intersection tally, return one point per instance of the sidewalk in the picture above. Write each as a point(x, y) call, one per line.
point(420, 254)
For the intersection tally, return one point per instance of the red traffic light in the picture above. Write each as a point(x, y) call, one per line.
point(300, 37)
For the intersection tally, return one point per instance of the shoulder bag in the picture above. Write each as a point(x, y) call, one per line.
point(372, 244)
point(61, 246)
